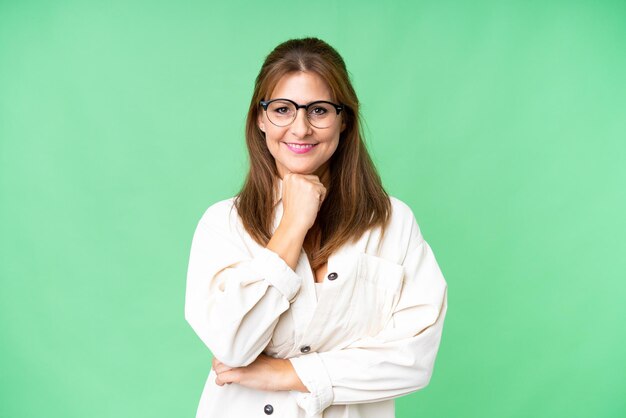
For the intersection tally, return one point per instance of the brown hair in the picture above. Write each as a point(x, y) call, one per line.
point(356, 200)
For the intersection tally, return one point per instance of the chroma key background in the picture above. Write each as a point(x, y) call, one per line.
point(502, 124)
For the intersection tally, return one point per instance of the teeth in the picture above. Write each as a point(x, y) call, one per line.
point(301, 146)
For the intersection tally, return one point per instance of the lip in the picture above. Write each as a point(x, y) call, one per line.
point(299, 148)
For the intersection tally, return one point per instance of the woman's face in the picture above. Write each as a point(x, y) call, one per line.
point(300, 147)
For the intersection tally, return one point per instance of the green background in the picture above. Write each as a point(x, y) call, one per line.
point(502, 124)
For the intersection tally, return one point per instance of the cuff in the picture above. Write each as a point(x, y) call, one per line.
point(311, 370)
point(274, 270)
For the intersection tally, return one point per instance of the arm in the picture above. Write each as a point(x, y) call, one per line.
point(233, 301)
point(396, 361)
point(264, 373)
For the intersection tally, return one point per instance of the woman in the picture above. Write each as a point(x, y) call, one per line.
point(313, 289)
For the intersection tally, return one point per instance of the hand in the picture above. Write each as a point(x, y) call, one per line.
point(303, 195)
point(264, 373)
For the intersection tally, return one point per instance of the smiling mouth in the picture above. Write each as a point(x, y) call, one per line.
point(299, 148)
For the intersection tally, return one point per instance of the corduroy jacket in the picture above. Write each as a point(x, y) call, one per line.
point(372, 334)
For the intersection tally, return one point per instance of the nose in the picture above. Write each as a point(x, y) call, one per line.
point(301, 126)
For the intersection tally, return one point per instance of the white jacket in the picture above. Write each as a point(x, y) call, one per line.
point(372, 336)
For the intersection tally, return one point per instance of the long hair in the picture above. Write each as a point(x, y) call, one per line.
point(356, 200)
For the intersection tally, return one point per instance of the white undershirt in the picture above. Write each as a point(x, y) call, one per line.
point(318, 289)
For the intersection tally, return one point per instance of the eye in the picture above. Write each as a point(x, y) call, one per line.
point(318, 111)
point(282, 110)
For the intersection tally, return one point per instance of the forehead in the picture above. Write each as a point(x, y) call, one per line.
point(301, 87)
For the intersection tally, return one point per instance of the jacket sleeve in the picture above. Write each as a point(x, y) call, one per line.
point(396, 361)
point(233, 298)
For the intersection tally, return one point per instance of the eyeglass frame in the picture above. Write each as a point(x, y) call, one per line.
point(266, 103)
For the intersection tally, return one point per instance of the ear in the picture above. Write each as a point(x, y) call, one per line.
point(343, 126)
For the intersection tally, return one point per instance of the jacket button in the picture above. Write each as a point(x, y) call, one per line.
point(332, 276)
point(305, 349)
point(268, 409)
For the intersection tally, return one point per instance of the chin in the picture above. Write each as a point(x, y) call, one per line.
point(301, 170)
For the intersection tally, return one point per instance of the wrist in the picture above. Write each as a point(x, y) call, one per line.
point(294, 228)
point(292, 379)
point(287, 243)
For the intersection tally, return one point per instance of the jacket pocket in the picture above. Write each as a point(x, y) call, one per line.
point(376, 292)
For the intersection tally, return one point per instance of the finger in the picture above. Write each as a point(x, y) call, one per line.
point(322, 195)
point(230, 376)
point(220, 382)
point(220, 367)
point(309, 177)
point(314, 180)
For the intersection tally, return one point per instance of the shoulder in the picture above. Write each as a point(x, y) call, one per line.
point(401, 232)
point(402, 216)
point(220, 214)
point(221, 207)
point(399, 208)
point(221, 232)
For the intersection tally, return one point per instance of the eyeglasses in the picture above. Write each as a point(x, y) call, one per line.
point(320, 114)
